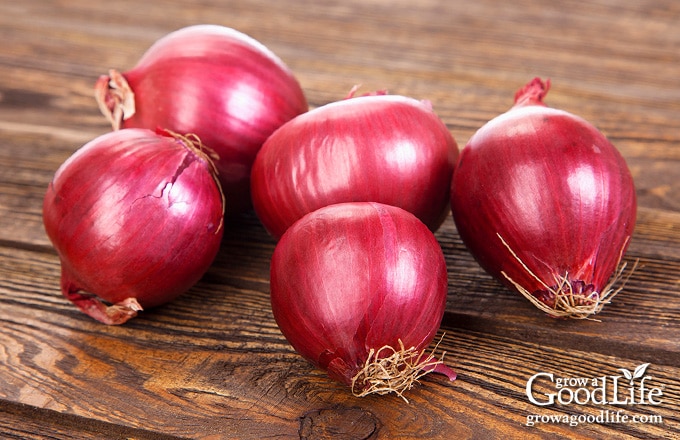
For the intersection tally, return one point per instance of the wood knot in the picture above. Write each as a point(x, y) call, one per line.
point(339, 422)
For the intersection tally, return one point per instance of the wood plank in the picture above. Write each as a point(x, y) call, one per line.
point(200, 391)
point(216, 357)
point(30, 423)
point(194, 383)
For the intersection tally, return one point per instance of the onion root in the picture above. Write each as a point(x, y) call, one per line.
point(388, 370)
point(567, 301)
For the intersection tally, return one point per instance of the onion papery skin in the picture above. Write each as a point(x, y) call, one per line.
point(212, 81)
point(352, 277)
point(546, 204)
point(388, 149)
point(136, 218)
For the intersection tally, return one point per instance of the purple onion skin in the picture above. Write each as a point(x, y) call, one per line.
point(215, 82)
point(354, 276)
point(136, 218)
point(381, 148)
point(556, 191)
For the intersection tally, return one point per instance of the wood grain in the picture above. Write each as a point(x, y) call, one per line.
point(213, 364)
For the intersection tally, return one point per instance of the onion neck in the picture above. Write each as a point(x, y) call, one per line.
point(92, 306)
point(532, 93)
point(115, 98)
point(193, 143)
point(355, 89)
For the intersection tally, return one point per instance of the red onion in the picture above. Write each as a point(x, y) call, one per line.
point(359, 290)
point(379, 148)
point(546, 204)
point(136, 218)
point(215, 82)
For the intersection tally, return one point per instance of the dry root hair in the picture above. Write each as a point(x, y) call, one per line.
point(389, 370)
point(567, 303)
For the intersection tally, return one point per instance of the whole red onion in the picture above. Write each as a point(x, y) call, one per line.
point(136, 218)
point(359, 290)
point(379, 148)
point(546, 204)
point(213, 81)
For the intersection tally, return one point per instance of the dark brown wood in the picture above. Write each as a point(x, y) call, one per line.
point(213, 364)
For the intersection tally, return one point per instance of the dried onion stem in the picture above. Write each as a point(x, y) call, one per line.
point(194, 144)
point(115, 98)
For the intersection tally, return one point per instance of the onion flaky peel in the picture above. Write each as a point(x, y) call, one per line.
point(194, 144)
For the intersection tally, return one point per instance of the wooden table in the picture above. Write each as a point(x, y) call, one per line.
point(213, 363)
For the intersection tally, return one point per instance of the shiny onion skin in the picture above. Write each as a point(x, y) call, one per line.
point(546, 204)
point(374, 148)
point(213, 81)
point(354, 285)
point(136, 218)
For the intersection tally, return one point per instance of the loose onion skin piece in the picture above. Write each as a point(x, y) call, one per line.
point(354, 284)
point(381, 148)
point(546, 204)
point(213, 81)
point(136, 218)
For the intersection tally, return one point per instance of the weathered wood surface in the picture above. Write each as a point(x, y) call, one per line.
point(213, 364)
